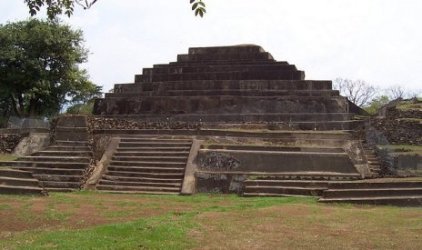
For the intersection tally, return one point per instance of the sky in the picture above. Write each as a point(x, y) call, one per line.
point(378, 41)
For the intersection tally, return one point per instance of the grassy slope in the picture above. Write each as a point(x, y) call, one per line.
point(202, 221)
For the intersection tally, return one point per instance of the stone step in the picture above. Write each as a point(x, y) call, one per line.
point(58, 177)
point(244, 48)
point(229, 93)
point(371, 192)
point(21, 164)
point(60, 190)
point(61, 184)
point(148, 164)
point(275, 152)
point(389, 200)
point(5, 189)
point(145, 169)
point(139, 184)
point(282, 182)
point(75, 135)
point(53, 171)
point(235, 75)
point(15, 173)
point(67, 148)
point(163, 154)
point(281, 148)
point(70, 143)
point(15, 181)
point(141, 179)
point(298, 93)
point(289, 190)
point(175, 159)
point(167, 69)
point(79, 159)
point(145, 174)
point(382, 185)
point(63, 153)
point(257, 85)
point(229, 56)
point(130, 148)
point(139, 192)
point(221, 62)
point(269, 195)
point(155, 140)
point(138, 188)
point(297, 118)
point(150, 144)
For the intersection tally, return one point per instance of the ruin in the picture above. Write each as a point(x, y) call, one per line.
point(227, 119)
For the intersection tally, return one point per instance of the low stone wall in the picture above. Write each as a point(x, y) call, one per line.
point(8, 142)
point(399, 131)
point(408, 165)
point(261, 161)
point(99, 123)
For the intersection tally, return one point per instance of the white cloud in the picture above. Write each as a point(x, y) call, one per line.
point(378, 40)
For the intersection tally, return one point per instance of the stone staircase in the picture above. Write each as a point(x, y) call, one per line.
point(64, 165)
point(61, 167)
point(13, 181)
point(147, 165)
point(373, 161)
point(381, 192)
point(377, 192)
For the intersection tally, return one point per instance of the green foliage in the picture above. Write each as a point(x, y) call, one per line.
point(39, 68)
point(57, 7)
point(66, 7)
point(198, 7)
point(376, 103)
point(81, 108)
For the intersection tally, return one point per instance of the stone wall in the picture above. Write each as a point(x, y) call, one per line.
point(399, 131)
point(98, 123)
point(399, 126)
point(8, 142)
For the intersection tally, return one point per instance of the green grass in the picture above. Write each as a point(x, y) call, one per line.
point(205, 221)
point(410, 105)
point(403, 149)
point(7, 157)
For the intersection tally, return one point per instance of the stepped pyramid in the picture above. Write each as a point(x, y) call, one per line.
point(230, 85)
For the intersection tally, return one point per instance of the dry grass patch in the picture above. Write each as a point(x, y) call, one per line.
point(317, 226)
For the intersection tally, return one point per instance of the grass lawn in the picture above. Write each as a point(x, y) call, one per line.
point(89, 220)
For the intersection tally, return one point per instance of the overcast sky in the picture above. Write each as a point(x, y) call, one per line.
point(378, 41)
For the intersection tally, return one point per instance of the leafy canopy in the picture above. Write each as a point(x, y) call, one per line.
point(39, 68)
point(59, 7)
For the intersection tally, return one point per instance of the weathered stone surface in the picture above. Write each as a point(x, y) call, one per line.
point(9, 141)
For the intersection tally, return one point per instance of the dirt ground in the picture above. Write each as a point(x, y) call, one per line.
point(224, 222)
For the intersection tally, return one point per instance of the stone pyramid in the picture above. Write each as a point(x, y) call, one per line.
point(230, 85)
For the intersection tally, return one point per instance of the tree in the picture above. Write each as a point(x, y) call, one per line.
point(359, 92)
point(39, 68)
point(59, 7)
point(376, 103)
